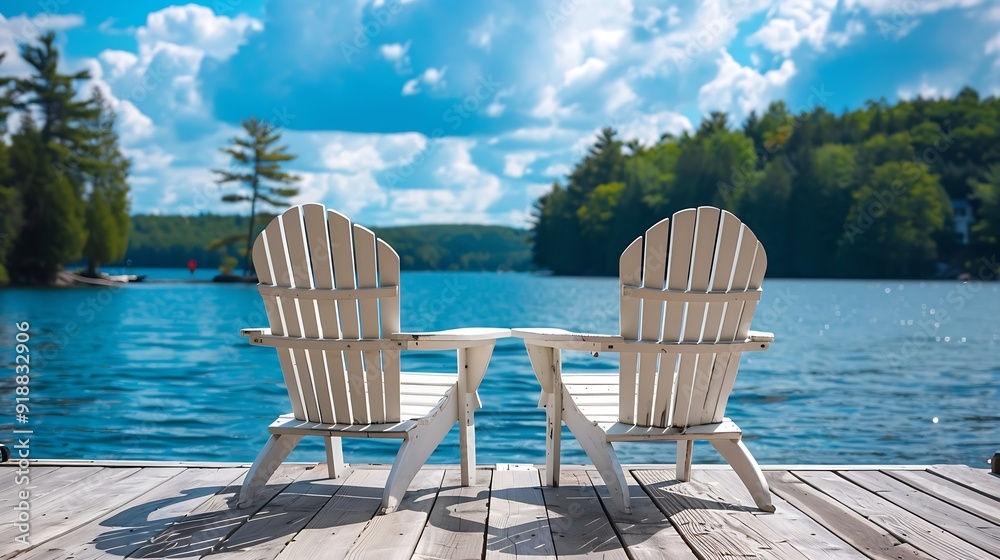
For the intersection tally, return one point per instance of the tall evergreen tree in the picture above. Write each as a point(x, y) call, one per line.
point(106, 172)
point(46, 164)
point(257, 151)
point(52, 232)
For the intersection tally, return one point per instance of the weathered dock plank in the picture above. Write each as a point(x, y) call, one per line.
point(712, 523)
point(333, 530)
point(198, 532)
point(955, 494)
point(979, 480)
point(395, 536)
point(264, 535)
point(457, 524)
point(903, 524)
point(124, 530)
point(60, 512)
point(850, 526)
point(580, 527)
point(806, 535)
point(518, 525)
point(970, 528)
point(646, 531)
point(85, 510)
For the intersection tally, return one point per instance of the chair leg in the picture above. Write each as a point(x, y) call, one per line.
point(553, 438)
point(278, 447)
point(601, 453)
point(685, 450)
point(739, 458)
point(466, 405)
point(334, 457)
point(416, 448)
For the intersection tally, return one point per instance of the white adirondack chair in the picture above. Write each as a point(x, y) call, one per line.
point(687, 297)
point(331, 293)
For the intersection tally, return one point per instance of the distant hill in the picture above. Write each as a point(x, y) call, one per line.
point(170, 241)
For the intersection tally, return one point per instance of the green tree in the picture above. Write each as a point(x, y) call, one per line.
point(47, 165)
point(52, 231)
point(892, 225)
point(257, 151)
point(106, 171)
point(987, 191)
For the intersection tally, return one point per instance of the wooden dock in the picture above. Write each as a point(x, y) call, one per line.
point(80, 510)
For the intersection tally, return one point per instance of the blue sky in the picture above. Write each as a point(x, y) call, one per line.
point(417, 111)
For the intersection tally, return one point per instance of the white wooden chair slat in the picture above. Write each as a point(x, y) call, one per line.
point(336, 407)
point(312, 377)
point(367, 267)
point(342, 246)
point(388, 276)
point(694, 316)
point(727, 240)
point(331, 292)
point(733, 319)
point(630, 266)
point(653, 276)
point(690, 385)
point(274, 247)
point(678, 255)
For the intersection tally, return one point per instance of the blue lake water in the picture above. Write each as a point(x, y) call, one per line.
point(861, 372)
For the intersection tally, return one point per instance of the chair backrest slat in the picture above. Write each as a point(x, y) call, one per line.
point(709, 251)
point(308, 362)
point(300, 257)
point(692, 368)
point(364, 251)
point(630, 266)
point(261, 258)
point(388, 276)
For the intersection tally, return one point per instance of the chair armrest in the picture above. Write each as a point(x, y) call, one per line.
point(760, 336)
point(561, 335)
point(588, 342)
point(255, 331)
point(450, 339)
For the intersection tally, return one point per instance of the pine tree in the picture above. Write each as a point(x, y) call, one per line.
point(258, 152)
point(106, 171)
point(46, 164)
point(52, 232)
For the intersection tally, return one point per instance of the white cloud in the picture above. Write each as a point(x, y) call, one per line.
point(648, 128)
point(349, 193)
point(886, 7)
point(22, 29)
point(738, 89)
point(853, 29)
point(431, 77)
point(411, 87)
point(792, 22)
point(365, 152)
point(924, 90)
point(548, 106)
point(556, 170)
point(397, 54)
point(197, 26)
point(516, 164)
point(338, 157)
point(620, 94)
point(993, 45)
point(590, 69)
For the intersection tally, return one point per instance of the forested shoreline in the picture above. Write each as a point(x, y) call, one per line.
point(865, 194)
point(170, 241)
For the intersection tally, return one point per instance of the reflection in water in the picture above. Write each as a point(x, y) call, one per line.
point(857, 374)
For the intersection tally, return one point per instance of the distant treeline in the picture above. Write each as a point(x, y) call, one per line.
point(866, 194)
point(170, 241)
